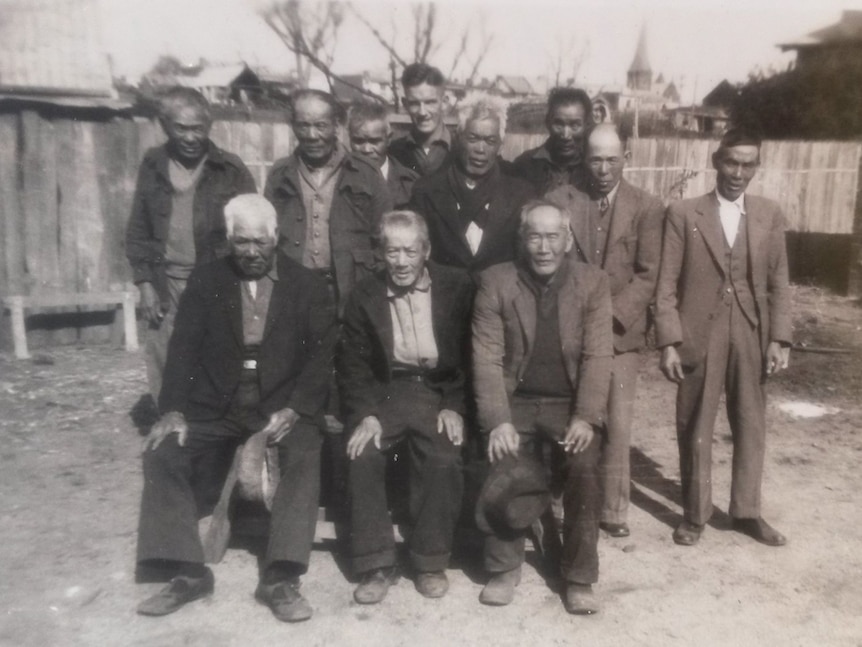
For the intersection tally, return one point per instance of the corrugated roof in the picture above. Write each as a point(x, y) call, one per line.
point(53, 47)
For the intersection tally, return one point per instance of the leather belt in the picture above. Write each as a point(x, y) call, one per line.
point(249, 364)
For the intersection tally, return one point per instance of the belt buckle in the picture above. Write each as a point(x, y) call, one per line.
point(249, 364)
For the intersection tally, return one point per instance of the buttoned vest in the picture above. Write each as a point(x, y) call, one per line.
point(736, 272)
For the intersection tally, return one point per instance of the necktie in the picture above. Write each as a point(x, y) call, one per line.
point(604, 204)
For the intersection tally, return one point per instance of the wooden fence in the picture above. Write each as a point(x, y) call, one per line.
point(66, 188)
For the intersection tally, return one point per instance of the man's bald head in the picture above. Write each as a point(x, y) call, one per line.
point(606, 157)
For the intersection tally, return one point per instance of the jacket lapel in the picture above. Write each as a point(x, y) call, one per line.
point(448, 209)
point(233, 305)
point(622, 214)
point(380, 317)
point(570, 319)
point(579, 205)
point(279, 297)
point(756, 230)
point(525, 307)
point(709, 225)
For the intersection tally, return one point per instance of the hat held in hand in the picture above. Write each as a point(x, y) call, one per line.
point(514, 495)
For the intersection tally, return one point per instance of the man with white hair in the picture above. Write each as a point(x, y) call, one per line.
point(251, 352)
point(401, 373)
point(471, 204)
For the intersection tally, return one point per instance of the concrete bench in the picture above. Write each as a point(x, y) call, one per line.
point(17, 304)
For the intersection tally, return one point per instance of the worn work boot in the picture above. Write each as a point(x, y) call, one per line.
point(580, 599)
point(432, 584)
point(285, 600)
point(500, 589)
point(180, 591)
point(374, 585)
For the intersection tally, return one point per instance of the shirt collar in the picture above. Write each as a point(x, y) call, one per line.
point(739, 203)
point(423, 284)
point(384, 169)
point(442, 136)
point(338, 156)
point(612, 194)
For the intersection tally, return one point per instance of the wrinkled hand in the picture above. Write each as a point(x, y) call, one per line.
point(671, 365)
point(150, 303)
point(280, 424)
point(777, 357)
point(453, 424)
point(368, 429)
point(173, 422)
point(579, 434)
point(502, 440)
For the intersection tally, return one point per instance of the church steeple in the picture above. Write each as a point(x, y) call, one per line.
point(640, 72)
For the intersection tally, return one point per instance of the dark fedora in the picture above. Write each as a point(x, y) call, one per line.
point(514, 495)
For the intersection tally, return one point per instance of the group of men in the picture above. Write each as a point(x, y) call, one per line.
point(451, 292)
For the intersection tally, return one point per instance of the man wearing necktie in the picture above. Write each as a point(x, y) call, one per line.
point(617, 227)
point(723, 323)
point(401, 379)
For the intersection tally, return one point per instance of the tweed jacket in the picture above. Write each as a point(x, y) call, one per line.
point(206, 350)
point(691, 278)
point(365, 350)
point(223, 177)
point(435, 200)
point(360, 198)
point(632, 254)
point(504, 328)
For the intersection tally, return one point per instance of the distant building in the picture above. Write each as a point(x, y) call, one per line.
point(512, 87)
point(346, 88)
point(225, 85)
point(830, 47)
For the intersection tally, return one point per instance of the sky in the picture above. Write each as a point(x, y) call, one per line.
point(695, 44)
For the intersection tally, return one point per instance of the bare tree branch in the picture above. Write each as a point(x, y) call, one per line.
point(393, 54)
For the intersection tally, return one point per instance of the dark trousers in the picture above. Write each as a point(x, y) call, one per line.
point(733, 364)
point(183, 484)
point(541, 420)
point(408, 417)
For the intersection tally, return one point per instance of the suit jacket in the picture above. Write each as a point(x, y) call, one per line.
point(223, 177)
point(504, 328)
point(434, 199)
point(691, 276)
point(360, 198)
point(206, 350)
point(400, 183)
point(535, 167)
point(632, 254)
point(365, 350)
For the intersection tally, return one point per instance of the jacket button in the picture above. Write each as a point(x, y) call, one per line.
point(296, 242)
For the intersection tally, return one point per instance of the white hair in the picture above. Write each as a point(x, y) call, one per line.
point(482, 106)
point(250, 208)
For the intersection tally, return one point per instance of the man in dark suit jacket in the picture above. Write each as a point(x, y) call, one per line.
point(723, 323)
point(368, 127)
point(400, 369)
point(251, 351)
point(617, 227)
point(542, 350)
point(472, 204)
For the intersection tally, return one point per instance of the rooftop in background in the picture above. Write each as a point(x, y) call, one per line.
point(52, 50)
point(846, 30)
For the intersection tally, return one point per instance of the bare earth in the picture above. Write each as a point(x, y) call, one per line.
point(71, 479)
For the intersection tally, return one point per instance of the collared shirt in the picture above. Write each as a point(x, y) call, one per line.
point(412, 326)
point(255, 296)
point(600, 224)
point(423, 158)
point(318, 187)
point(180, 254)
point(384, 168)
point(730, 214)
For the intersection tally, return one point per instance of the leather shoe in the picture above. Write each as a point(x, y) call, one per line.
point(687, 533)
point(285, 600)
point(580, 599)
point(615, 529)
point(760, 530)
point(432, 584)
point(374, 585)
point(180, 591)
point(500, 589)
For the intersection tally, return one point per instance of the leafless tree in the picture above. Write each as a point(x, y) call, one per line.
point(567, 58)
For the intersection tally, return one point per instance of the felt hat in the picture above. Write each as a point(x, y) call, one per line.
point(258, 473)
point(514, 495)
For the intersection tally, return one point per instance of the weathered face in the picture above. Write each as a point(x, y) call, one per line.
point(315, 129)
point(605, 160)
point(546, 238)
point(188, 129)
point(424, 104)
point(253, 248)
point(566, 127)
point(371, 140)
point(479, 145)
point(735, 168)
point(405, 254)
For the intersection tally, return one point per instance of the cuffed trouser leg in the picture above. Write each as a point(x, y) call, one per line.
point(372, 544)
point(582, 502)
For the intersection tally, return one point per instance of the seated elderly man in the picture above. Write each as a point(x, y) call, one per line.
point(542, 349)
point(251, 351)
point(400, 374)
point(368, 126)
point(471, 204)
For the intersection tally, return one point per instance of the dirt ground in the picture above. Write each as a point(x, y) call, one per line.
point(70, 475)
